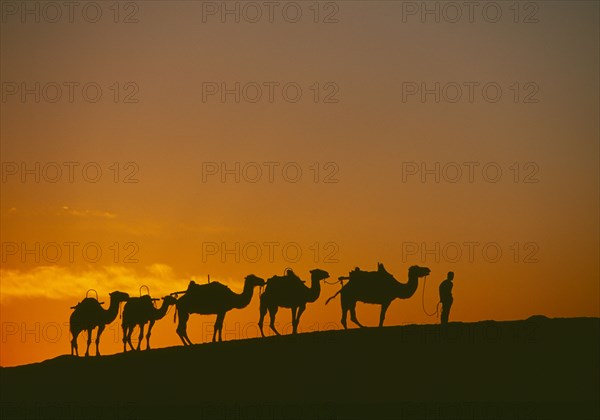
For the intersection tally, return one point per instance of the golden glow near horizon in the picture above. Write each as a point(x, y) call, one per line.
point(150, 143)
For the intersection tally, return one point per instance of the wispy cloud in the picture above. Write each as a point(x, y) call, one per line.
point(54, 282)
point(87, 213)
point(203, 229)
point(61, 211)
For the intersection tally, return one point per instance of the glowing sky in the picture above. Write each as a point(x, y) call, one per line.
point(159, 212)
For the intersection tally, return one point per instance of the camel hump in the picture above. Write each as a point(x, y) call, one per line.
point(143, 298)
point(288, 279)
point(287, 285)
point(193, 286)
point(141, 301)
point(293, 277)
point(369, 276)
point(86, 303)
point(212, 287)
point(357, 273)
point(274, 280)
point(215, 285)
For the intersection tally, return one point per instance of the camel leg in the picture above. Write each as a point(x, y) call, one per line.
point(182, 327)
point(301, 310)
point(218, 331)
point(129, 334)
point(124, 338)
point(384, 308)
point(272, 313)
point(74, 342)
point(353, 317)
point(221, 327)
point(187, 338)
point(294, 321)
point(100, 329)
point(263, 312)
point(214, 338)
point(345, 309)
point(149, 333)
point(141, 337)
point(89, 341)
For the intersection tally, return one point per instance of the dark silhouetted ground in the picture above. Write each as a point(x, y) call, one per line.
point(534, 369)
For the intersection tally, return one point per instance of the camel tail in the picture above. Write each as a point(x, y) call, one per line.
point(338, 292)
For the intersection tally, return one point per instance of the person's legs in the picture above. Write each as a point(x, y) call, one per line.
point(445, 312)
point(444, 315)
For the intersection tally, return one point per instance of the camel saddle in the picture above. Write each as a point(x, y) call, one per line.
point(141, 302)
point(193, 286)
point(144, 298)
point(293, 276)
point(358, 274)
point(87, 302)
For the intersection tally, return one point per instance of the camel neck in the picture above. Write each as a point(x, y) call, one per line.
point(112, 311)
point(315, 290)
point(162, 311)
point(245, 297)
point(406, 290)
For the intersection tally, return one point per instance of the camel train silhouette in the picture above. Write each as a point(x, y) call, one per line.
point(140, 311)
point(287, 291)
point(212, 298)
point(376, 287)
point(89, 314)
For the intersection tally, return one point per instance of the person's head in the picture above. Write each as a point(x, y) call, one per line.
point(450, 275)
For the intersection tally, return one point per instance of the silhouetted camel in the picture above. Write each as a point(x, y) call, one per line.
point(377, 287)
point(89, 314)
point(139, 311)
point(212, 298)
point(289, 292)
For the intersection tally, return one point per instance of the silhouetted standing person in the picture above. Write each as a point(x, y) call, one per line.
point(446, 296)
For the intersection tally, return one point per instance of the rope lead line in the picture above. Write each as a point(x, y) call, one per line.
point(333, 282)
point(437, 307)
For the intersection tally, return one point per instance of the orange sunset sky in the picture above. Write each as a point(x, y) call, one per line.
point(359, 135)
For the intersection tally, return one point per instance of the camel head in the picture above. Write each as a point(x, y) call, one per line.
point(170, 300)
point(318, 274)
point(418, 271)
point(254, 281)
point(119, 296)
